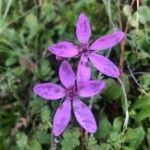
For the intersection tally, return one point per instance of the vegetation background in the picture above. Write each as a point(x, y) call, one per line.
point(27, 27)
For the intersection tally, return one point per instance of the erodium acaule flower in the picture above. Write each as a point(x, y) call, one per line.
point(87, 51)
point(71, 90)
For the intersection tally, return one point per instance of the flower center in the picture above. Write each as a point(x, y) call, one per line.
point(71, 91)
point(84, 48)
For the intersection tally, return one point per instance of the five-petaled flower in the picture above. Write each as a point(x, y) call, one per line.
point(71, 90)
point(88, 51)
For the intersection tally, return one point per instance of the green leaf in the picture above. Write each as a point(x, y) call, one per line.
point(36, 104)
point(144, 14)
point(31, 23)
point(143, 114)
point(117, 124)
point(134, 137)
point(10, 61)
point(133, 20)
point(71, 139)
point(92, 143)
point(115, 139)
point(112, 93)
point(45, 114)
point(127, 148)
point(42, 137)
point(126, 9)
point(104, 127)
point(105, 147)
point(45, 69)
point(34, 145)
point(21, 140)
point(142, 102)
point(145, 82)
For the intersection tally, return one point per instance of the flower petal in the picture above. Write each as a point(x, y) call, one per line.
point(64, 49)
point(104, 65)
point(90, 88)
point(49, 91)
point(107, 41)
point(84, 116)
point(83, 72)
point(83, 29)
point(66, 74)
point(62, 117)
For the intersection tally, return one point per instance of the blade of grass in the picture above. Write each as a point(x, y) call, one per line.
point(9, 2)
point(1, 8)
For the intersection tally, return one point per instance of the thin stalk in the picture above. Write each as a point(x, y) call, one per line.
point(53, 144)
point(82, 139)
point(15, 95)
point(108, 8)
point(121, 63)
point(1, 2)
point(126, 120)
point(135, 80)
point(25, 14)
point(137, 17)
point(7, 8)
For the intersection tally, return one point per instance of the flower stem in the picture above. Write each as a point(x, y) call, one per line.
point(53, 144)
point(126, 120)
point(82, 139)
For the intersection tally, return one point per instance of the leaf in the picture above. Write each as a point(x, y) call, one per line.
point(48, 8)
point(45, 69)
point(10, 61)
point(34, 145)
point(105, 147)
point(42, 137)
point(117, 124)
point(115, 139)
point(133, 20)
point(112, 93)
point(92, 143)
point(71, 139)
point(134, 137)
point(21, 140)
point(126, 9)
point(31, 23)
point(127, 148)
point(45, 114)
point(36, 104)
point(104, 127)
point(144, 14)
point(145, 82)
point(142, 102)
point(143, 114)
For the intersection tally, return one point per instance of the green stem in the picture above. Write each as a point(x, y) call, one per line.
point(53, 143)
point(126, 120)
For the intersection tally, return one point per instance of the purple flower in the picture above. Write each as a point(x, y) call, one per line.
point(88, 51)
point(71, 91)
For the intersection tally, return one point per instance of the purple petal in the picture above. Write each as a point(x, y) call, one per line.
point(84, 116)
point(62, 117)
point(83, 29)
point(90, 88)
point(63, 49)
point(107, 41)
point(83, 72)
point(104, 65)
point(66, 74)
point(49, 91)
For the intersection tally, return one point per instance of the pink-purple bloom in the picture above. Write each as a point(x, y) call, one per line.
point(87, 51)
point(71, 89)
